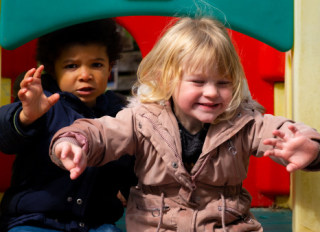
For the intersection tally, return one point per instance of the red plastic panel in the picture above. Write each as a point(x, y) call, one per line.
point(263, 66)
point(146, 30)
point(5, 170)
point(13, 63)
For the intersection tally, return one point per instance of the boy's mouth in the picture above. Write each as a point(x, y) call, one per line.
point(85, 90)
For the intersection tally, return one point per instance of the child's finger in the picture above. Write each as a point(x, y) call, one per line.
point(293, 129)
point(21, 93)
point(65, 151)
point(270, 141)
point(38, 71)
point(273, 142)
point(268, 153)
point(24, 83)
point(29, 73)
point(53, 99)
point(57, 151)
point(75, 172)
point(28, 76)
point(291, 167)
point(77, 156)
point(279, 134)
point(271, 152)
point(274, 152)
point(63, 154)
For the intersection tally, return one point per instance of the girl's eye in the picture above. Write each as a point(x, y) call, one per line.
point(199, 82)
point(224, 83)
point(70, 66)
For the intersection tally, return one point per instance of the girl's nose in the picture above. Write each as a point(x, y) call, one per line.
point(210, 90)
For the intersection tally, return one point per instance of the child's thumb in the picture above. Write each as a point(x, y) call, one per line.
point(292, 167)
point(53, 99)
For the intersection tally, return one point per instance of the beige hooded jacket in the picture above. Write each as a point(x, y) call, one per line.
point(168, 198)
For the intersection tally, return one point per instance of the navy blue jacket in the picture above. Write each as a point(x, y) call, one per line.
point(42, 194)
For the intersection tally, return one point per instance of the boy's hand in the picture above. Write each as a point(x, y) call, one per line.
point(34, 102)
point(298, 150)
point(72, 158)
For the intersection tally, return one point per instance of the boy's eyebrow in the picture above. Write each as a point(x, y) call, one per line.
point(100, 58)
point(94, 59)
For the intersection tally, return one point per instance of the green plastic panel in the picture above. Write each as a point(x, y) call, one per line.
point(270, 21)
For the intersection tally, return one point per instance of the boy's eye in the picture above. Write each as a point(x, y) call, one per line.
point(71, 66)
point(97, 65)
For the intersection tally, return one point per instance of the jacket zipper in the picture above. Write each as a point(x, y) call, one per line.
point(233, 151)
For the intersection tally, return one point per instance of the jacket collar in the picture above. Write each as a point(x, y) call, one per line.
point(217, 133)
point(223, 131)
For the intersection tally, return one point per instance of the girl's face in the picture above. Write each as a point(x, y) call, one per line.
point(200, 98)
point(84, 71)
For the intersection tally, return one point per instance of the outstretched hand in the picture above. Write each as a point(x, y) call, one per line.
point(34, 102)
point(72, 157)
point(297, 149)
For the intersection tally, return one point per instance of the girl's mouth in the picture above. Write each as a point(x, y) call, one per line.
point(209, 106)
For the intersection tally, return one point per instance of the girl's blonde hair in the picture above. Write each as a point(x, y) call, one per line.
point(191, 44)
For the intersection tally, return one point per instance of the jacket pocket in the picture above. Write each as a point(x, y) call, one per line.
point(231, 214)
point(240, 222)
point(150, 210)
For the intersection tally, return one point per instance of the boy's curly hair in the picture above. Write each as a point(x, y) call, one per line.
point(102, 32)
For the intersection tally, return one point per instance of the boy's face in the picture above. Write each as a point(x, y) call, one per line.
point(84, 71)
point(200, 98)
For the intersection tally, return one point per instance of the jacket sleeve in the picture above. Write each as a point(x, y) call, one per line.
point(315, 165)
point(104, 139)
point(13, 137)
point(9, 137)
point(266, 124)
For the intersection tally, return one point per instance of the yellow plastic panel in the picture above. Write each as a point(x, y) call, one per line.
point(306, 108)
point(5, 91)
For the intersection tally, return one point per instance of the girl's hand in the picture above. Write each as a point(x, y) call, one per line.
point(34, 102)
point(298, 150)
point(72, 157)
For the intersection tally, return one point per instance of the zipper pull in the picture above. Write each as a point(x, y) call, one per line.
point(231, 148)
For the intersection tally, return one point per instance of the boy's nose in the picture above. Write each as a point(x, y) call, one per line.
point(85, 75)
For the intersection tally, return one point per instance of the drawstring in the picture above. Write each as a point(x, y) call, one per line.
point(161, 212)
point(223, 213)
point(194, 220)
